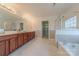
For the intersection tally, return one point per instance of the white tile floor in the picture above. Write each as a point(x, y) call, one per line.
point(39, 47)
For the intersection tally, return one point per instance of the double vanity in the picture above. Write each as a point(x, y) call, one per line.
point(11, 40)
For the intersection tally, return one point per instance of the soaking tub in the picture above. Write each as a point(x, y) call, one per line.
point(69, 40)
point(71, 49)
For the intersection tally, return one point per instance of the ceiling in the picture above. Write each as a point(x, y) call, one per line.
point(39, 9)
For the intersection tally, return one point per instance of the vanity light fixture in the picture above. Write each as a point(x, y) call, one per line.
point(8, 9)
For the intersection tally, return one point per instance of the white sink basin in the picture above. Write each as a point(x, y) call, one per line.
point(2, 31)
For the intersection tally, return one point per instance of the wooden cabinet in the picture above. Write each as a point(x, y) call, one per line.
point(29, 36)
point(7, 47)
point(2, 48)
point(25, 37)
point(16, 43)
point(12, 44)
point(20, 39)
point(9, 43)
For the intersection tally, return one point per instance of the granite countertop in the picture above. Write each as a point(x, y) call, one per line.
point(10, 32)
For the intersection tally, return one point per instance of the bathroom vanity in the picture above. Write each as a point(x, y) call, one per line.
point(10, 41)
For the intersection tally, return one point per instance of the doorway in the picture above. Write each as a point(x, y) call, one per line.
point(45, 29)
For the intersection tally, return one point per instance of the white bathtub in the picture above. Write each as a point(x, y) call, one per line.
point(70, 48)
point(67, 35)
point(69, 40)
point(67, 32)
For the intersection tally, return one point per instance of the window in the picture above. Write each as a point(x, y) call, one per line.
point(71, 22)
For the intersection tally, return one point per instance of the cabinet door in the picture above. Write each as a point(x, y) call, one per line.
point(28, 36)
point(7, 47)
point(20, 40)
point(2, 48)
point(16, 42)
point(25, 37)
point(12, 44)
